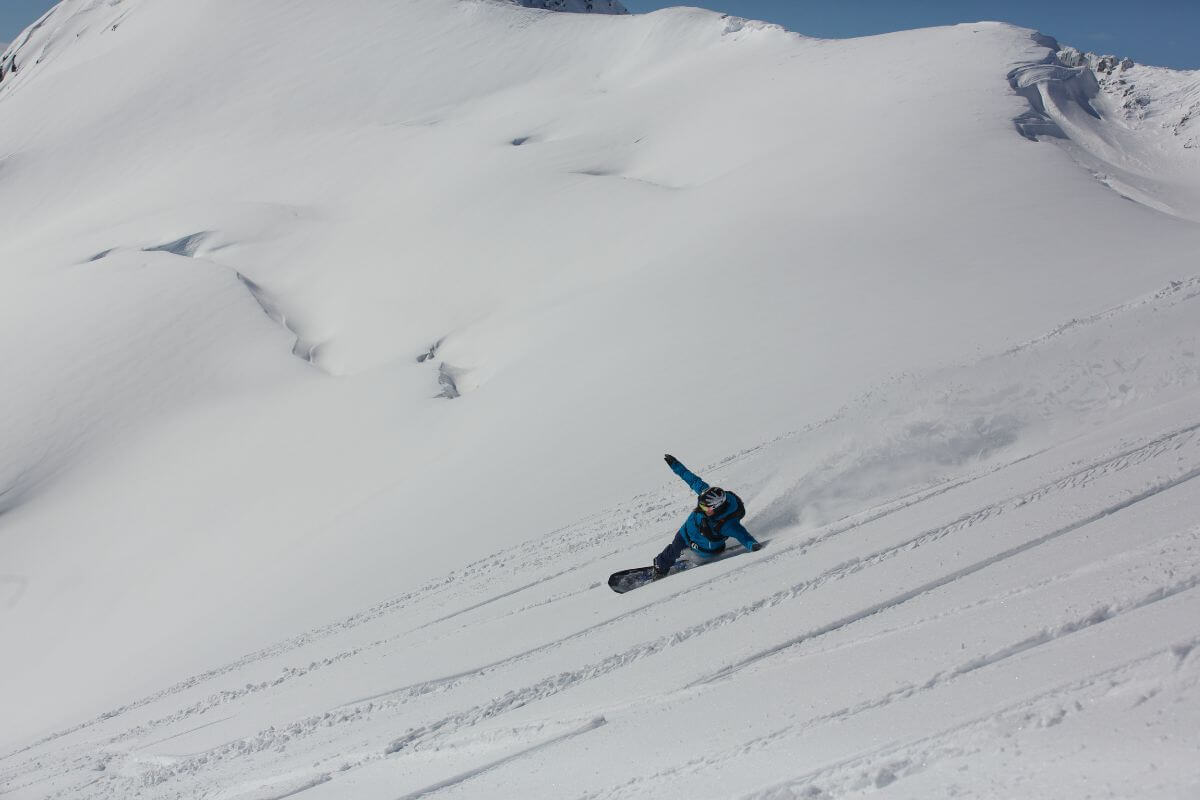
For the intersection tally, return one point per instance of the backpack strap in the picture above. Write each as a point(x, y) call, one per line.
point(710, 528)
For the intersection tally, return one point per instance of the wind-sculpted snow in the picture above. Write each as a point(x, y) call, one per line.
point(1051, 86)
point(1129, 125)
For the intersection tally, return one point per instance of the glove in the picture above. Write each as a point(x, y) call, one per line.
point(671, 460)
point(754, 548)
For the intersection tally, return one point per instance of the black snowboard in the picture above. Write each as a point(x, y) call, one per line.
point(629, 579)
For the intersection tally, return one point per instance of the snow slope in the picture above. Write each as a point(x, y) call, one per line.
point(350, 336)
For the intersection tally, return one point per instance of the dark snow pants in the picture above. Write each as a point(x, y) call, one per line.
point(667, 557)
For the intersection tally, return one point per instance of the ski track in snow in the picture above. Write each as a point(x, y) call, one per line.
point(890, 756)
point(400, 604)
point(1128, 556)
point(457, 779)
point(1175, 440)
point(865, 770)
point(1183, 443)
point(930, 536)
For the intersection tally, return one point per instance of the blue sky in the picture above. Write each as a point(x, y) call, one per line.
point(1161, 32)
point(17, 15)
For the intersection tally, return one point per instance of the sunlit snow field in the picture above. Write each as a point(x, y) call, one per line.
point(343, 341)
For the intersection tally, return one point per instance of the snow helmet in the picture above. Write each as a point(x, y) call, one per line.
point(712, 497)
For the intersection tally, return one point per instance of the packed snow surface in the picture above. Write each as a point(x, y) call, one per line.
point(342, 343)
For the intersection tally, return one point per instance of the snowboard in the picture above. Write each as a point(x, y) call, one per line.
point(629, 579)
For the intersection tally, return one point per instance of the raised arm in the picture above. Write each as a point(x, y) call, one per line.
point(689, 477)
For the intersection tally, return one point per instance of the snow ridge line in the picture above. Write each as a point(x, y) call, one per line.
point(958, 574)
point(1036, 80)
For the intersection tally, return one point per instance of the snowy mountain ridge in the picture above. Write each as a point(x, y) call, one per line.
point(577, 6)
point(1148, 95)
point(1130, 125)
point(78, 16)
point(344, 341)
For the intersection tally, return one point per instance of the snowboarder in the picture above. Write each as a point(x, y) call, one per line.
point(718, 515)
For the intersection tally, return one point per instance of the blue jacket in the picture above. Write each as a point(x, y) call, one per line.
point(705, 534)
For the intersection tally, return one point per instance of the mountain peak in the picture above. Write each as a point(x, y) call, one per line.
point(577, 6)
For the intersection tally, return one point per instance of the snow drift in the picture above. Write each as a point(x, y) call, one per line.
point(349, 336)
point(1130, 125)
